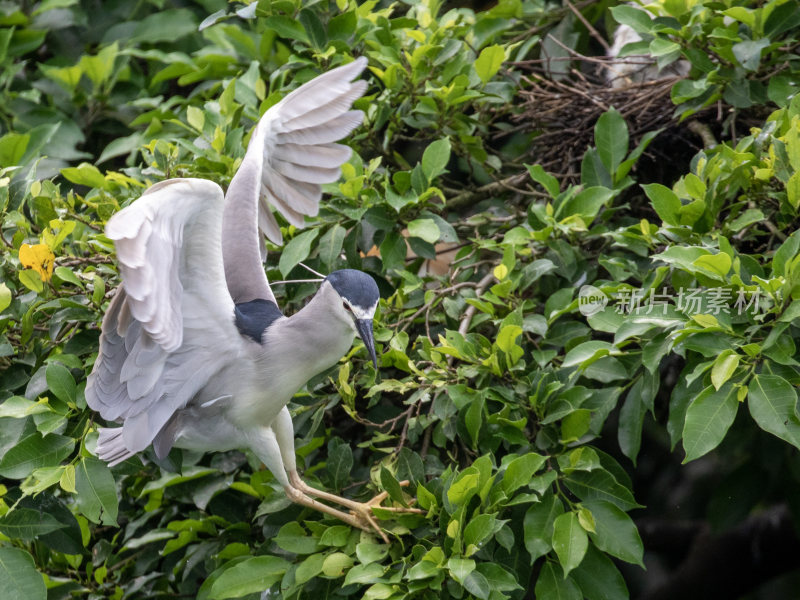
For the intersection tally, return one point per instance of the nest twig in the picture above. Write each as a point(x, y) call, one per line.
point(562, 112)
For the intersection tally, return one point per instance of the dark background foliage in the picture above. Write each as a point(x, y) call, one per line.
point(497, 174)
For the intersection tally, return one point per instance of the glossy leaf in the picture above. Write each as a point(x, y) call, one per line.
point(615, 532)
point(773, 404)
point(253, 575)
point(96, 491)
point(18, 575)
point(569, 541)
point(707, 420)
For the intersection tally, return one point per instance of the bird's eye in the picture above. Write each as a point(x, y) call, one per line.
point(346, 306)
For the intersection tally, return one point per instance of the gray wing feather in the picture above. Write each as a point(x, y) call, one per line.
point(290, 154)
point(170, 327)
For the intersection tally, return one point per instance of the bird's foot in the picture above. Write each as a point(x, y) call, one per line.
point(363, 510)
point(362, 514)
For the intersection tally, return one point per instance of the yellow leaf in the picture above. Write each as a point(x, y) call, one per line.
point(39, 258)
point(67, 480)
point(705, 320)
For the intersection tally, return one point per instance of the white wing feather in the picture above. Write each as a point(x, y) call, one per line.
point(170, 327)
point(292, 152)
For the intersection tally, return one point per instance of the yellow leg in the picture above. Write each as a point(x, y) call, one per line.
point(362, 511)
point(298, 497)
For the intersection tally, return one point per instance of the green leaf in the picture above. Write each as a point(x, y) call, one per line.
point(340, 464)
point(708, 419)
point(520, 471)
point(12, 148)
point(477, 585)
point(785, 254)
point(611, 139)
point(473, 419)
point(507, 342)
point(575, 425)
point(19, 578)
point(635, 18)
point(393, 251)
point(479, 529)
point(464, 487)
point(724, 367)
point(250, 576)
point(435, 158)
point(61, 382)
point(410, 466)
point(615, 533)
point(364, 574)
point(773, 405)
point(65, 274)
point(569, 541)
point(793, 190)
point(5, 297)
point(287, 27)
point(665, 202)
point(538, 525)
point(489, 62)
point(18, 407)
point(337, 535)
point(599, 578)
point(368, 552)
point(599, 484)
point(31, 280)
point(551, 584)
point(292, 538)
point(548, 182)
point(296, 251)
point(34, 452)
point(165, 26)
point(718, 265)
point(86, 174)
point(330, 245)
point(336, 564)
point(309, 568)
point(96, 491)
point(460, 568)
point(425, 229)
point(498, 577)
point(586, 204)
point(27, 523)
point(196, 117)
point(631, 418)
point(748, 52)
point(314, 28)
point(391, 485)
point(585, 351)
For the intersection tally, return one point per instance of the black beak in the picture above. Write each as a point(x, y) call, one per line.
point(364, 328)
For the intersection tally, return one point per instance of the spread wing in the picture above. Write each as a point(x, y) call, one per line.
point(292, 151)
point(170, 327)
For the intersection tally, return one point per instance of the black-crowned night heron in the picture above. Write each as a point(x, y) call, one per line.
point(194, 351)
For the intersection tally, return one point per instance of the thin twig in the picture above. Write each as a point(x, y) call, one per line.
point(470, 312)
point(601, 40)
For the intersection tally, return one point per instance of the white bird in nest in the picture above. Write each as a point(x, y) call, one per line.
point(194, 351)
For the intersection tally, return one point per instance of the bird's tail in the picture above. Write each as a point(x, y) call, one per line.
point(111, 446)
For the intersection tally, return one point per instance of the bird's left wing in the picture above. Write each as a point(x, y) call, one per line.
point(292, 151)
point(170, 327)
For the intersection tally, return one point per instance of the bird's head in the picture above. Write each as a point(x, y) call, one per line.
point(359, 299)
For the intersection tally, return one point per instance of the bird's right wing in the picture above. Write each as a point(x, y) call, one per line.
point(292, 151)
point(170, 327)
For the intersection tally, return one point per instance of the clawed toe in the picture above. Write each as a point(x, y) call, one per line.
point(361, 514)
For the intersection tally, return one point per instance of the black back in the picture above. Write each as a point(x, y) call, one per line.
point(254, 317)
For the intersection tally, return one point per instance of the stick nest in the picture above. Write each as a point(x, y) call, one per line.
point(563, 112)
